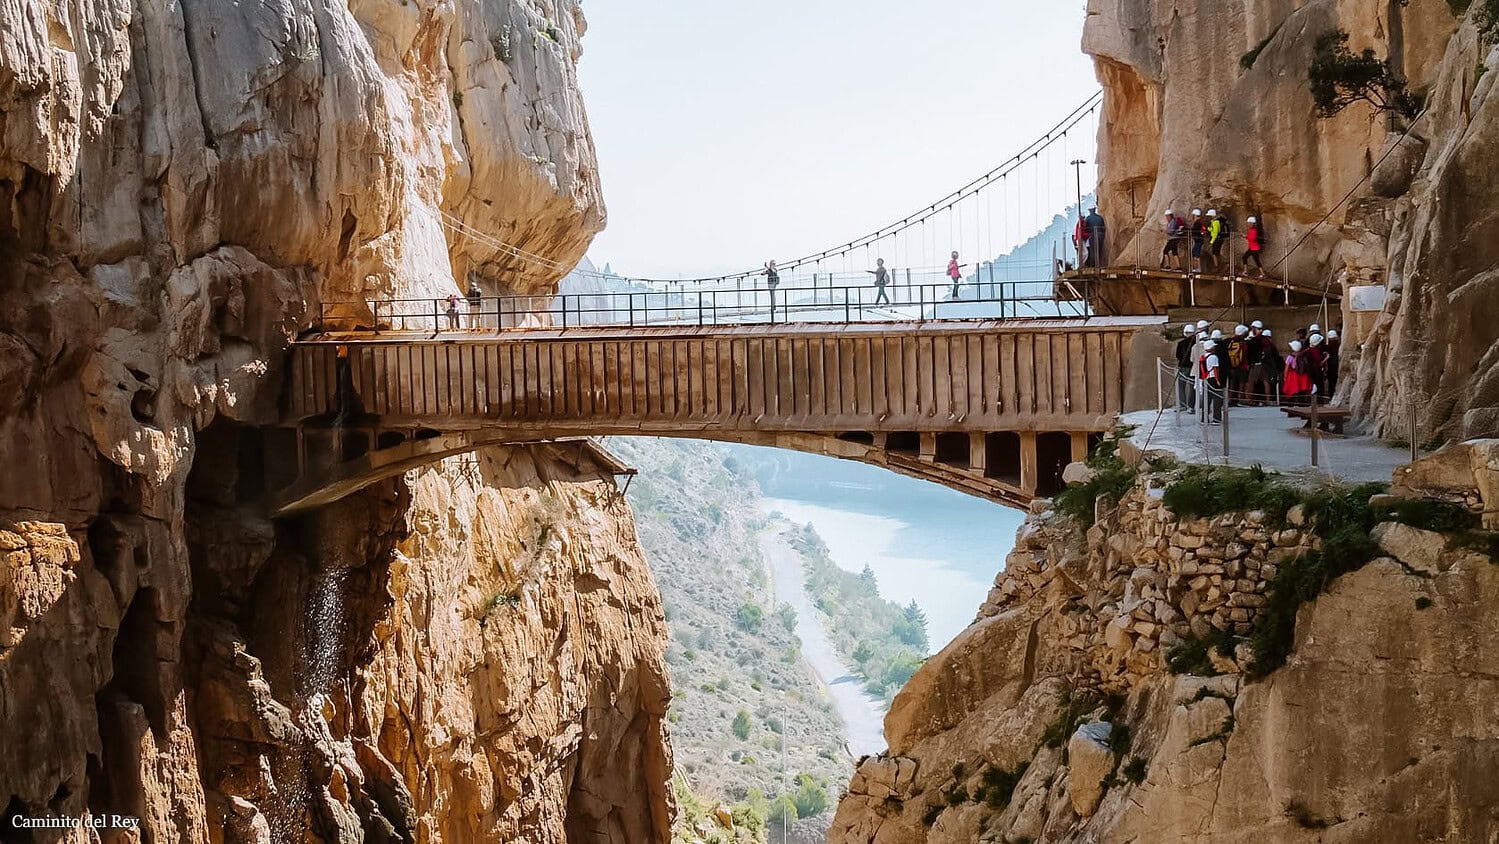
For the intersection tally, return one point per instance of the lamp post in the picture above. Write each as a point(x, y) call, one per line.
point(1077, 166)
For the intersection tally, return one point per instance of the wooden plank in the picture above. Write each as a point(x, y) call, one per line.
point(1095, 375)
point(817, 393)
point(639, 381)
point(1077, 373)
point(910, 378)
point(881, 377)
point(1113, 370)
point(1044, 375)
point(977, 374)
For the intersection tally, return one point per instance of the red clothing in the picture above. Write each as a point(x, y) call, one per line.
point(1253, 235)
point(1295, 382)
point(953, 271)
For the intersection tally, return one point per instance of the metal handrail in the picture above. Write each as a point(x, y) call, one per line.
point(740, 305)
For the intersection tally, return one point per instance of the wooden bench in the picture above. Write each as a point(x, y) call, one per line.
point(1329, 419)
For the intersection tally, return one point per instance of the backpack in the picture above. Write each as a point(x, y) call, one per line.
point(1237, 352)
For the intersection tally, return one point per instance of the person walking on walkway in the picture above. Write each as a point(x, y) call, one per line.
point(1186, 396)
point(452, 311)
point(475, 304)
point(772, 281)
point(1211, 375)
point(1334, 351)
point(1238, 366)
point(955, 274)
point(1255, 238)
point(1295, 384)
point(881, 279)
point(1176, 231)
point(1096, 229)
point(1317, 368)
point(1261, 350)
point(1199, 238)
point(1217, 233)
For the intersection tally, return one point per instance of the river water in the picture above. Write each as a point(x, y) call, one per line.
point(924, 542)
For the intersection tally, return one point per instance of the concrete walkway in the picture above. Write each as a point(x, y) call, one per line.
point(1266, 436)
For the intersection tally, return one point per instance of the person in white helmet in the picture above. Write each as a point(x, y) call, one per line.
point(1199, 238)
point(1176, 232)
point(1261, 353)
point(1210, 373)
point(1235, 362)
point(1186, 396)
point(1296, 385)
point(1203, 325)
point(1334, 347)
point(1217, 234)
point(1255, 238)
point(1317, 366)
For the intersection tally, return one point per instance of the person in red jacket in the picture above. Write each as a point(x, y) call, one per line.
point(1255, 237)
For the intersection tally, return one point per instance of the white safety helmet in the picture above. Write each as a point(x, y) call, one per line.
point(1212, 212)
point(1196, 212)
point(1202, 324)
point(1316, 339)
point(1253, 220)
point(1333, 334)
point(1188, 330)
point(1314, 329)
point(1256, 324)
point(1169, 212)
point(1266, 334)
point(1207, 347)
point(1295, 345)
point(1240, 331)
point(1217, 335)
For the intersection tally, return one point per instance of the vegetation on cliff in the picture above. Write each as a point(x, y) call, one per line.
point(886, 641)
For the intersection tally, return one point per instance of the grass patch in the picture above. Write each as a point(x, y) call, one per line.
point(1112, 477)
point(1423, 513)
point(997, 786)
point(1204, 491)
point(1194, 656)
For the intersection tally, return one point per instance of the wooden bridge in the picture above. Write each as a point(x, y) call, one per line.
point(995, 408)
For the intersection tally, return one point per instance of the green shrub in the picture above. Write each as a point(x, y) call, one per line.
point(1193, 655)
point(741, 725)
point(1439, 516)
point(811, 799)
point(1112, 477)
point(1205, 491)
point(749, 617)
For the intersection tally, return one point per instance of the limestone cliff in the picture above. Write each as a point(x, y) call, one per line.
point(1107, 692)
point(471, 654)
point(1209, 105)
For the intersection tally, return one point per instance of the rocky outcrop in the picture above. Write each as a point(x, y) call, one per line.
point(471, 653)
point(1209, 106)
point(1046, 721)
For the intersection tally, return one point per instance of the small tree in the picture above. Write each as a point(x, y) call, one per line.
point(863, 653)
point(1339, 78)
point(811, 798)
point(788, 617)
point(741, 725)
point(750, 617)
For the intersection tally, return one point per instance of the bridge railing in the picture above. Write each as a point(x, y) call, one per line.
point(738, 305)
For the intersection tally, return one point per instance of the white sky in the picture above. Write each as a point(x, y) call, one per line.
point(732, 132)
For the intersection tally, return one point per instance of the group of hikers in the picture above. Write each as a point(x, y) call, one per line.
point(882, 280)
point(1248, 368)
point(454, 309)
point(1194, 245)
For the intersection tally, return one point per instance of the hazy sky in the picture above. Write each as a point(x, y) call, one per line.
point(732, 132)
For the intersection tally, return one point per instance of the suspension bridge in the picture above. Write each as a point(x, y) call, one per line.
point(899, 348)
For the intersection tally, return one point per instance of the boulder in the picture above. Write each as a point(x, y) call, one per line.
point(1090, 762)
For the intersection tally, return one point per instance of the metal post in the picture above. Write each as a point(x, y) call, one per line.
point(1160, 403)
point(1077, 166)
point(1413, 431)
point(632, 309)
point(1316, 431)
point(1225, 420)
point(436, 320)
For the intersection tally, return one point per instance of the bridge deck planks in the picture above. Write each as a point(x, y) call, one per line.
point(827, 378)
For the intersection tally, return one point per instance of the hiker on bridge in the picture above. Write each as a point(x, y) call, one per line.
point(881, 281)
point(1095, 227)
point(1080, 242)
point(772, 281)
point(955, 274)
point(1217, 234)
point(1199, 238)
point(475, 303)
point(1255, 238)
point(1176, 232)
point(452, 311)
point(1186, 396)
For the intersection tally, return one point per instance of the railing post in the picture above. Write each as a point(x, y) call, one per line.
point(436, 319)
point(1316, 400)
point(563, 300)
point(632, 308)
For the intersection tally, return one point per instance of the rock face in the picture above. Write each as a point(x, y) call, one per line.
point(472, 653)
point(1209, 105)
point(1049, 721)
